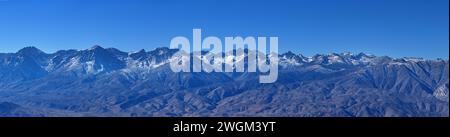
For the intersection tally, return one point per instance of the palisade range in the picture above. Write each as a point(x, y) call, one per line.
point(109, 82)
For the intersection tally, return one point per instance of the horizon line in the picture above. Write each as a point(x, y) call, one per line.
point(280, 53)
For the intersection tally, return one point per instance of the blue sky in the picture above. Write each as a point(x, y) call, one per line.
point(395, 28)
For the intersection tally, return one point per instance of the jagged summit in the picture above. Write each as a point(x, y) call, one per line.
point(288, 54)
point(141, 54)
point(162, 51)
point(30, 50)
point(96, 47)
point(141, 51)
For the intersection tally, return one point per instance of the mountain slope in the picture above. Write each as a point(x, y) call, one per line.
point(109, 82)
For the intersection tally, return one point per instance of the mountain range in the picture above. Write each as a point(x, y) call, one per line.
point(109, 82)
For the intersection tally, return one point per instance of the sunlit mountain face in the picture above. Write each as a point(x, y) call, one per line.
point(108, 82)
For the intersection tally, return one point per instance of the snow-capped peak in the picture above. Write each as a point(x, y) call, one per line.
point(96, 47)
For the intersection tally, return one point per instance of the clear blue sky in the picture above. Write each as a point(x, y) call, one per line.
point(396, 28)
